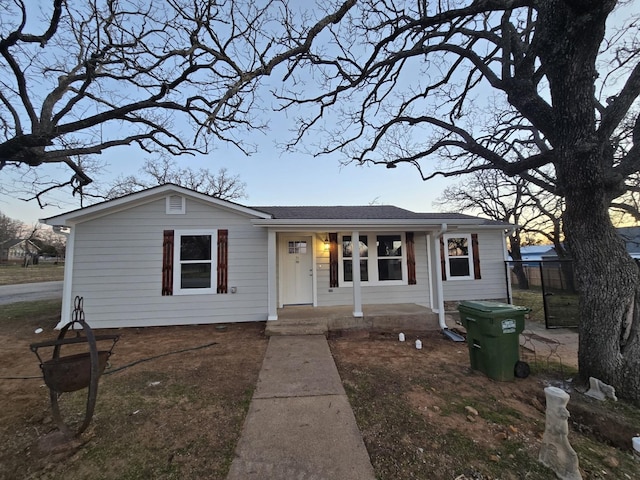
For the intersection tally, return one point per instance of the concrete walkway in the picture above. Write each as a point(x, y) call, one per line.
point(300, 424)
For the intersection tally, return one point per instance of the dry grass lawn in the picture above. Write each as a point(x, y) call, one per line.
point(179, 416)
point(43, 272)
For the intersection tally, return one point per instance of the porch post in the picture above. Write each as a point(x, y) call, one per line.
point(272, 291)
point(355, 258)
point(438, 273)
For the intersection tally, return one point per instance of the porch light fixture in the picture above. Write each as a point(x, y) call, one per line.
point(326, 243)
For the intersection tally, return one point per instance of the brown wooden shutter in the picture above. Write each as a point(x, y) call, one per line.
point(333, 260)
point(167, 263)
point(476, 256)
point(443, 260)
point(411, 259)
point(223, 240)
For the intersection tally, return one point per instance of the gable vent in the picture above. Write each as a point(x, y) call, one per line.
point(175, 204)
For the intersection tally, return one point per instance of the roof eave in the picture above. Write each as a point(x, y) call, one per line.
point(141, 198)
point(366, 223)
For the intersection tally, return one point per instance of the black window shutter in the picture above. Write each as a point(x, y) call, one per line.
point(476, 256)
point(411, 259)
point(443, 260)
point(223, 240)
point(167, 262)
point(333, 260)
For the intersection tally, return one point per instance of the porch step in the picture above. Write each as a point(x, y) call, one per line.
point(295, 328)
point(378, 323)
point(422, 321)
point(301, 320)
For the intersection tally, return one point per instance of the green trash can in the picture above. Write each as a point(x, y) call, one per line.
point(493, 337)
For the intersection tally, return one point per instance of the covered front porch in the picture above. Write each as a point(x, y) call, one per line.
point(301, 320)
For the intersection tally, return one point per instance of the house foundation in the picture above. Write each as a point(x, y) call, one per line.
point(305, 320)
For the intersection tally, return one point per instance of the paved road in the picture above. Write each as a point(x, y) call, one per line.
point(27, 292)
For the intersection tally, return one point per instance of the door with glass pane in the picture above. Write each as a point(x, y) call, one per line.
point(296, 270)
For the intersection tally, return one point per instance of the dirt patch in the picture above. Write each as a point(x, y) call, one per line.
point(176, 416)
point(425, 414)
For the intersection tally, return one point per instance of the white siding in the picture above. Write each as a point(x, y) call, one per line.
point(118, 267)
point(492, 285)
point(377, 294)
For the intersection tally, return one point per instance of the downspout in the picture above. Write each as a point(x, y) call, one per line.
point(439, 290)
point(67, 284)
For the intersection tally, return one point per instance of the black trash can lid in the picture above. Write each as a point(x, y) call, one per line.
point(488, 306)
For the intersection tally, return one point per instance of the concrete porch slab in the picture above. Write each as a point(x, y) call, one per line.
point(302, 320)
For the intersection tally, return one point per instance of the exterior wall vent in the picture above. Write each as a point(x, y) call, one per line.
point(176, 205)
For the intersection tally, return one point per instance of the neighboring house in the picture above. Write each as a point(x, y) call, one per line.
point(169, 255)
point(630, 236)
point(534, 253)
point(14, 251)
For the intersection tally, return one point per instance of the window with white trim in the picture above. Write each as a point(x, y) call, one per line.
point(347, 255)
point(382, 259)
point(195, 260)
point(458, 256)
point(389, 249)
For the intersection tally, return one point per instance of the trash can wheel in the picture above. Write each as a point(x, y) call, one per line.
point(522, 369)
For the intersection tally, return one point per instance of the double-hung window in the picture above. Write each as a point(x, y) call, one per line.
point(458, 256)
point(389, 249)
point(347, 258)
point(382, 259)
point(195, 260)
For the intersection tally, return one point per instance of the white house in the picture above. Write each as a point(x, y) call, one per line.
point(13, 251)
point(169, 255)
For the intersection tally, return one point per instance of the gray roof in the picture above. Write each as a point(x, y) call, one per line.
point(17, 241)
point(293, 214)
point(362, 212)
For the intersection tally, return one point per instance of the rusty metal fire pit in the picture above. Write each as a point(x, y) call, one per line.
point(72, 372)
point(77, 371)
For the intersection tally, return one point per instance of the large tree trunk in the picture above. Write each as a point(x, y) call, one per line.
point(569, 35)
point(608, 281)
point(516, 255)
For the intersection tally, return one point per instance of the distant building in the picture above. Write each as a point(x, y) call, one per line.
point(14, 251)
point(631, 237)
point(536, 253)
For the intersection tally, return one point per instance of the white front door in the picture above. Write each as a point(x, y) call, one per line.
point(296, 270)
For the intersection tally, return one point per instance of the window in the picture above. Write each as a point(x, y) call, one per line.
point(386, 263)
point(458, 257)
point(195, 262)
point(389, 257)
point(298, 247)
point(347, 254)
point(187, 261)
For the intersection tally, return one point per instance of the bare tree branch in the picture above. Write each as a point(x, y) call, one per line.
point(177, 76)
point(545, 90)
point(165, 170)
